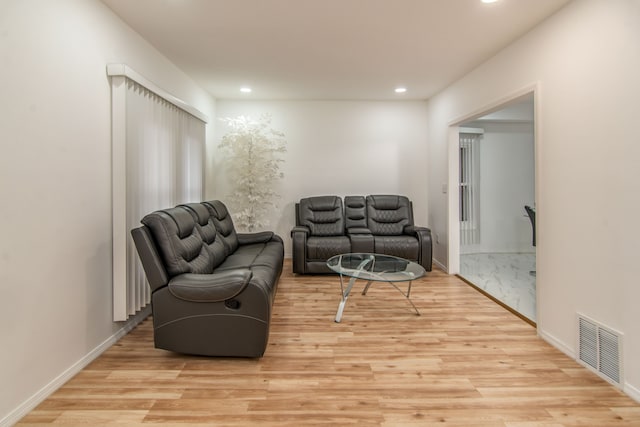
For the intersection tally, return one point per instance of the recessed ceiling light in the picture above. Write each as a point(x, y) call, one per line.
point(401, 89)
point(245, 89)
point(489, 1)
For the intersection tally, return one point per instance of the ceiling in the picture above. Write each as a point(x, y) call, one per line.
point(330, 49)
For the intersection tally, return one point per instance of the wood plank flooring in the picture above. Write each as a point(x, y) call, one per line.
point(464, 362)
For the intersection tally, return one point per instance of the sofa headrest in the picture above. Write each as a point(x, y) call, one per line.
point(178, 241)
point(323, 215)
point(217, 209)
point(200, 212)
point(223, 222)
point(184, 221)
point(387, 202)
point(321, 203)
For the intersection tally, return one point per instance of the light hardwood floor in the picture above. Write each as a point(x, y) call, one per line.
point(464, 362)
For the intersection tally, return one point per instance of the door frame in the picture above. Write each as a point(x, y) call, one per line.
point(453, 201)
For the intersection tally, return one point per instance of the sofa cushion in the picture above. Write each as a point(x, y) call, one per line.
point(406, 247)
point(323, 248)
point(263, 259)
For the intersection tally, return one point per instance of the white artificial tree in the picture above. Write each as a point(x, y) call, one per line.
point(254, 150)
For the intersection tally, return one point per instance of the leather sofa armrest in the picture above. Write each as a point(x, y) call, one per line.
point(249, 238)
point(213, 287)
point(300, 229)
point(299, 235)
point(414, 230)
point(152, 263)
point(423, 234)
point(358, 230)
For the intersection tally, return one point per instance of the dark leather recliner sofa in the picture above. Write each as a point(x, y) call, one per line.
point(212, 288)
point(327, 226)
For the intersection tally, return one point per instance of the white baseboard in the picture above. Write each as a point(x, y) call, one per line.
point(440, 265)
point(632, 392)
point(557, 343)
point(22, 410)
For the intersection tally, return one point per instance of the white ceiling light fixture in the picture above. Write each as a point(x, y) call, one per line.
point(489, 1)
point(245, 89)
point(400, 89)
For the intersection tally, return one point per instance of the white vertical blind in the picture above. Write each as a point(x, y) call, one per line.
point(158, 157)
point(469, 185)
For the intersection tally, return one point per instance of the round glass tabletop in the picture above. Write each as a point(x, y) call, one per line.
point(375, 267)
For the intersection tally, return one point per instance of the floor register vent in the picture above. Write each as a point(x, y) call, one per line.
point(600, 349)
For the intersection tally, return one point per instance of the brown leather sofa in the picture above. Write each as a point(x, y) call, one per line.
point(212, 288)
point(327, 226)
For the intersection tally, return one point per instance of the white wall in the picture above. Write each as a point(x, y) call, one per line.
point(584, 61)
point(55, 183)
point(341, 148)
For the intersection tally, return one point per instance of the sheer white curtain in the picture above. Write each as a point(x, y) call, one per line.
point(158, 158)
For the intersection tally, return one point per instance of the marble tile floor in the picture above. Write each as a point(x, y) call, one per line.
point(505, 276)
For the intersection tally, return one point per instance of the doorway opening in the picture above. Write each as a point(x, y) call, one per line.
point(496, 182)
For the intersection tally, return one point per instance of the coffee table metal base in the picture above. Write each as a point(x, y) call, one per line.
point(347, 291)
point(373, 267)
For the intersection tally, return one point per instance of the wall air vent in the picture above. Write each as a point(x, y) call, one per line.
point(600, 349)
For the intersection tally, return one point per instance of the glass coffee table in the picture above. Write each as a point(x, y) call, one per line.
point(374, 268)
